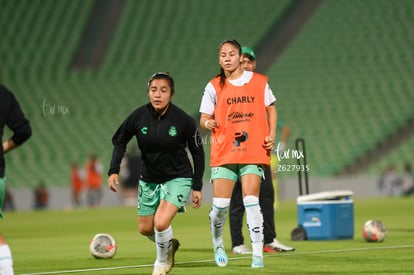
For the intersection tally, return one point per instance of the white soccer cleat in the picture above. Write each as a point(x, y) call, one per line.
point(241, 249)
point(276, 246)
point(171, 254)
point(220, 256)
point(257, 262)
point(159, 270)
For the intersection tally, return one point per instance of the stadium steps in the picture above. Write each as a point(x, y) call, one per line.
point(283, 31)
point(402, 135)
point(398, 157)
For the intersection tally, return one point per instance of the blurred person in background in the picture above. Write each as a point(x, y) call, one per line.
point(77, 179)
point(41, 197)
point(8, 204)
point(268, 194)
point(390, 182)
point(11, 115)
point(407, 187)
point(274, 161)
point(94, 170)
point(129, 173)
point(163, 131)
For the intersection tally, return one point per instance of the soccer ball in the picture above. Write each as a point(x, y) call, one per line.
point(374, 231)
point(102, 246)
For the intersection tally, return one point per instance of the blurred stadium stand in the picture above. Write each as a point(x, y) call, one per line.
point(39, 39)
point(344, 83)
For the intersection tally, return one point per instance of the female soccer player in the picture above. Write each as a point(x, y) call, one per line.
point(238, 107)
point(12, 116)
point(163, 131)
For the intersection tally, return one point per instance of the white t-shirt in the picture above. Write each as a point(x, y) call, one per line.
point(208, 102)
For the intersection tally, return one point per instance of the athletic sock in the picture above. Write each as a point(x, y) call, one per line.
point(6, 260)
point(217, 217)
point(163, 241)
point(254, 220)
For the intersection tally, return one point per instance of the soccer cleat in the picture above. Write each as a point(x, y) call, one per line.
point(220, 256)
point(257, 262)
point(159, 270)
point(170, 259)
point(276, 246)
point(241, 249)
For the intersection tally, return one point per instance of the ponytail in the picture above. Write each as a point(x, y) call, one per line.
point(222, 76)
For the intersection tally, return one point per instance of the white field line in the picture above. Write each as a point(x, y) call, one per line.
point(268, 255)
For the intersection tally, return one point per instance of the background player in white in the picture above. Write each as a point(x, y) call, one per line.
point(267, 195)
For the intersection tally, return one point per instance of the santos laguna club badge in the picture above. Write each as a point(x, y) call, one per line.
point(172, 131)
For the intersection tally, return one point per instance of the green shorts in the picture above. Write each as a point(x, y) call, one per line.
point(234, 171)
point(2, 194)
point(175, 191)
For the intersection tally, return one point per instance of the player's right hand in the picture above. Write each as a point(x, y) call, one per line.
point(112, 181)
point(210, 124)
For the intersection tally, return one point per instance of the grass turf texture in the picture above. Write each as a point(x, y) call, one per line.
point(57, 242)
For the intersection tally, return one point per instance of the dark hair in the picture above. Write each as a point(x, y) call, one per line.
point(163, 75)
point(239, 48)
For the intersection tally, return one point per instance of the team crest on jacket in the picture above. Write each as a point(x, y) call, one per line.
point(172, 131)
point(144, 130)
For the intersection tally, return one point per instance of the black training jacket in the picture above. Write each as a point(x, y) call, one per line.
point(11, 115)
point(162, 141)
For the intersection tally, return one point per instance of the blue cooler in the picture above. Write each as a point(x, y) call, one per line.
point(327, 215)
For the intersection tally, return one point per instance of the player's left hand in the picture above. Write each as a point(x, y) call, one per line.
point(113, 180)
point(269, 143)
point(197, 198)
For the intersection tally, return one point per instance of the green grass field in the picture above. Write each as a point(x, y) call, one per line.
point(56, 242)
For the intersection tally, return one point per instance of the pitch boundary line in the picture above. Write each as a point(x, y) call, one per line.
point(230, 259)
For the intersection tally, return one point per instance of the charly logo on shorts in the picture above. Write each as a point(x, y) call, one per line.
point(215, 170)
point(173, 131)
